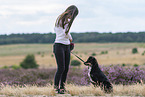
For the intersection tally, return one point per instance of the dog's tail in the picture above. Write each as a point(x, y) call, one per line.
point(107, 87)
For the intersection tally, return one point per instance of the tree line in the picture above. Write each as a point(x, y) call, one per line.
point(85, 37)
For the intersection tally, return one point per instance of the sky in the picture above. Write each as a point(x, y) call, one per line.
point(39, 16)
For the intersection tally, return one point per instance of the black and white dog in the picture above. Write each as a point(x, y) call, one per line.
point(97, 77)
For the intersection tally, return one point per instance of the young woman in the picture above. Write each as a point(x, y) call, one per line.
point(62, 46)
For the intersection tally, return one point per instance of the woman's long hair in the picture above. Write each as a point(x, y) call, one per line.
point(61, 20)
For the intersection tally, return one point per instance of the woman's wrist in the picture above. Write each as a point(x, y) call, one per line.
point(70, 40)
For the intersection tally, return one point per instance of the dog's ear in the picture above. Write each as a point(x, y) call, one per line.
point(94, 60)
point(89, 60)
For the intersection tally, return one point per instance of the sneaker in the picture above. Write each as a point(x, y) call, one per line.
point(56, 91)
point(61, 91)
point(63, 88)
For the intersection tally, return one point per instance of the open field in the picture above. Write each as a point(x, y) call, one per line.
point(118, 53)
point(72, 90)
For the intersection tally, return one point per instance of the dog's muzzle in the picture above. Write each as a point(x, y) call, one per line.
point(88, 64)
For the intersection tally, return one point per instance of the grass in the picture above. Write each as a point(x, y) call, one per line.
point(72, 90)
point(17, 91)
point(118, 53)
point(24, 49)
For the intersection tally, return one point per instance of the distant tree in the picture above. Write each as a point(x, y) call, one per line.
point(134, 50)
point(29, 62)
point(86, 37)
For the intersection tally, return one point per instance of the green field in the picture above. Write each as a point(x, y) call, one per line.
point(117, 53)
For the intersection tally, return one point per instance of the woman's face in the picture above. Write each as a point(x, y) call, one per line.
point(69, 16)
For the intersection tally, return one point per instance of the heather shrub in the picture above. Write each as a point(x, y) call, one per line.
point(123, 75)
point(41, 77)
point(29, 62)
point(27, 76)
point(78, 76)
point(126, 75)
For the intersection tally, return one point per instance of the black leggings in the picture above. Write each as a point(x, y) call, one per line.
point(62, 55)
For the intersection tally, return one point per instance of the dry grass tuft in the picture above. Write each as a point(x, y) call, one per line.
point(143, 91)
point(129, 90)
point(73, 90)
point(27, 90)
point(7, 90)
point(34, 90)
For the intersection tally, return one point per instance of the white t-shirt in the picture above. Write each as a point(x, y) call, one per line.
point(61, 36)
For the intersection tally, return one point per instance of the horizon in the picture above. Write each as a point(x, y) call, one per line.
point(73, 32)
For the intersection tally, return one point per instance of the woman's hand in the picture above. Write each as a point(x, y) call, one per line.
point(70, 40)
point(71, 46)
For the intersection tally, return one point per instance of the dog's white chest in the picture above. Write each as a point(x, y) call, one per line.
point(89, 68)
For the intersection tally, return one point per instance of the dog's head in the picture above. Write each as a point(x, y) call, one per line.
point(91, 61)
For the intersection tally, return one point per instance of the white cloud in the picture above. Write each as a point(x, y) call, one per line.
point(102, 16)
point(28, 9)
